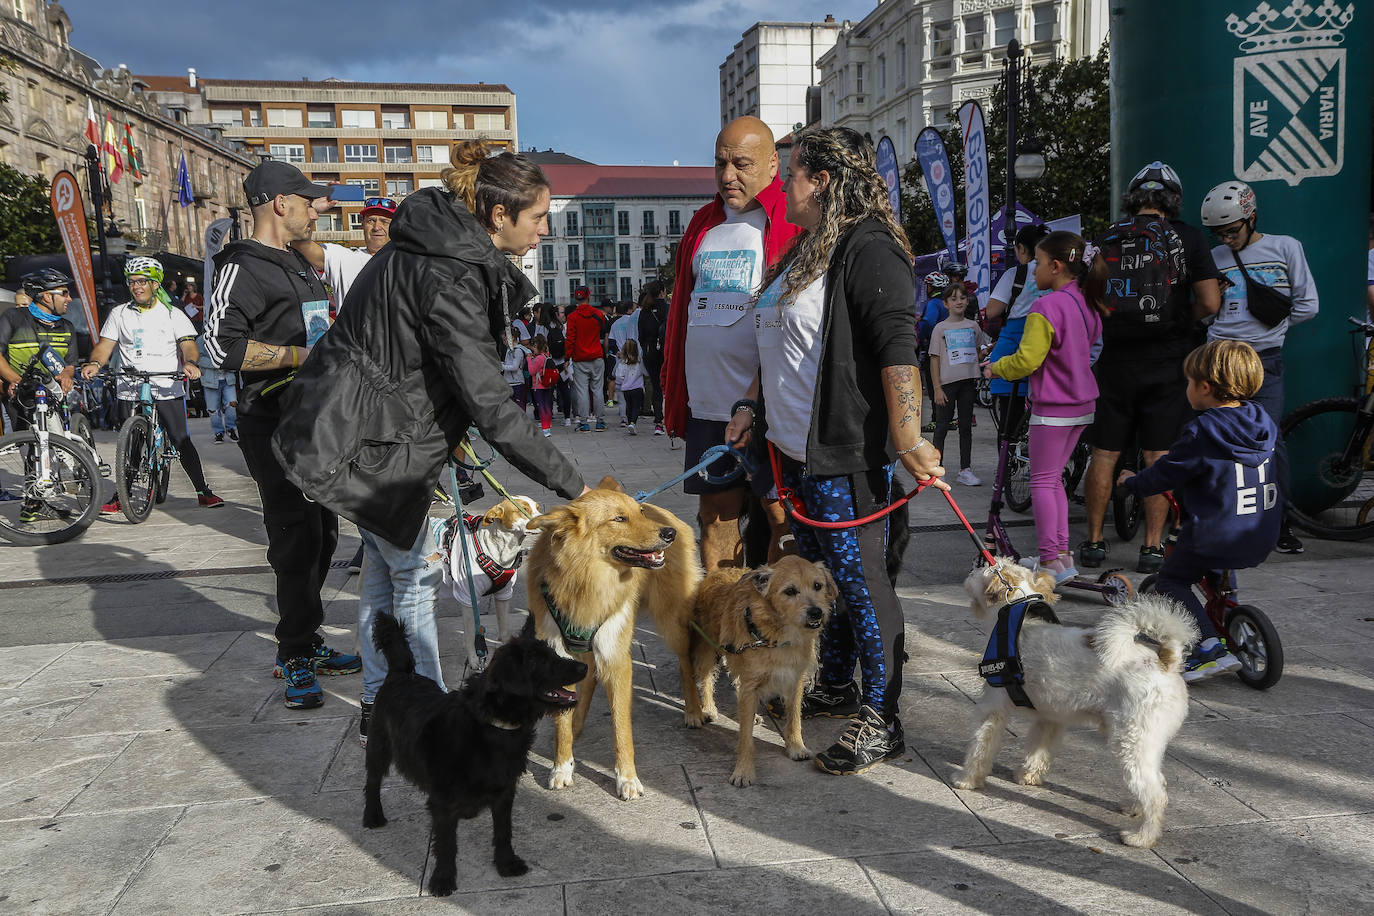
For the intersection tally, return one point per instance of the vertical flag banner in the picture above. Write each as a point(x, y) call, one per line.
point(71, 224)
point(185, 196)
point(887, 167)
point(976, 215)
point(216, 234)
point(934, 159)
point(92, 133)
point(131, 152)
point(114, 163)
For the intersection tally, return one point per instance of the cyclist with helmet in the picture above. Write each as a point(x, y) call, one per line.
point(1142, 400)
point(1278, 262)
point(25, 331)
point(153, 335)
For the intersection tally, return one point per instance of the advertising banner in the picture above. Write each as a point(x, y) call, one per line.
point(934, 159)
point(887, 167)
point(71, 224)
point(976, 215)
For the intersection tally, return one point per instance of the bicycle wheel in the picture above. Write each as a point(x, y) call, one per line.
point(164, 477)
point(134, 468)
point(984, 393)
point(1127, 511)
point(1076, 467)
point(1331, 497)
point(1016, 488)
point(1252, 639)
point(34, 511)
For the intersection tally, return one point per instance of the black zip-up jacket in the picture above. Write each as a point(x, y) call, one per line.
point(868, 324)
point(387, 394)
point(258, 294)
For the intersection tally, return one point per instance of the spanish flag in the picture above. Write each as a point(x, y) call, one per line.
point(114, 162)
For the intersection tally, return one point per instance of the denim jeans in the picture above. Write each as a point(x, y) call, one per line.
point(221, 389)
point(404, 584)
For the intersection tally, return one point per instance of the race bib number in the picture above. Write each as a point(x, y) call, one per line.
point(315, 314)
point(961, 346)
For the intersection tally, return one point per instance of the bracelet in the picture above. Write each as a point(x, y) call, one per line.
point(295, 357)
point(745, 404)
point(920, 441)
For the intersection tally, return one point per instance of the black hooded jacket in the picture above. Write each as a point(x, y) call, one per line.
point(387, 394)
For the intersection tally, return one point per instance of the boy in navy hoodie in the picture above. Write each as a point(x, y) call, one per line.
point(1221, 468)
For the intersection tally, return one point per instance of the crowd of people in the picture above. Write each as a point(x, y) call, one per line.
point(349, 377)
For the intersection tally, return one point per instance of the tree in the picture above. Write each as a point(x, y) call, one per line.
point(27, 224)
point(1071, 119)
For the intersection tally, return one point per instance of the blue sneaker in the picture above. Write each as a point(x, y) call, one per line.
point(584, 427)
point(302, 690)
point(1204, 663)
point(327, 661)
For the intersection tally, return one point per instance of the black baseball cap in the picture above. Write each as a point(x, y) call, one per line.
point(274, 177)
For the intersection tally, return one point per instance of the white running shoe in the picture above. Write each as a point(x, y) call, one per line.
point(548, 433)
point(968, 479)
point(567, 421)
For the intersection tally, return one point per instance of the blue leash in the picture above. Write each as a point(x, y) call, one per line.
point(743, 466)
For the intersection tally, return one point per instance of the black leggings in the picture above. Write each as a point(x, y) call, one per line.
point(171, 414)
point(634, 404)
point(957, 394)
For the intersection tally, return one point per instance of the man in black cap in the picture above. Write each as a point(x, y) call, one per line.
point(267, 308)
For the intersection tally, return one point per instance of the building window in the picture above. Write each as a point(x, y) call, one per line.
point(287, 152)
point(284, 117)
point(546, 257)
point(570, 222)
point(650, 255)
point(396, 153)
point(974, 36)
point(882, 75)
point(431, 120)
point(489, 121)
point(1004, 27)
point(627, 289)
point(320, 118)
point(19, 11)
point(430, 183)
point(902, 147)
point(329, 222)
point(370, 186)
point(360, 152)
point(648, 226)
point(622, 222)
point(858, 78)
point(395, 119)
point(355, 221)
point(399, 187)
point(437, 154)
point(324, 152)
point(549, 291)
point(573, 284)
point(354, 119)
point(751, 101)
point(624, 257)
point(574, 258)
point(901, 63)
point(1044, 22)
point(941, 39)
point(229, 117)
point(675, 222)
point(751, 58)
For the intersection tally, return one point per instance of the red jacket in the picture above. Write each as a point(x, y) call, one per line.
point(583, 334)
point(778, 234)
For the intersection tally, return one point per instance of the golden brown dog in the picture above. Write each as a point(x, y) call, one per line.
point(596, 562)
point(765, 624)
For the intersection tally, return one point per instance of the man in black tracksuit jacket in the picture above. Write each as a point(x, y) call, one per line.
point(266, 309)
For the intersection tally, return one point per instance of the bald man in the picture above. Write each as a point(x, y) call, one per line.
point(710, 357)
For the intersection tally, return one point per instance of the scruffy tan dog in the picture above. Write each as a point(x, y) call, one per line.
point(596, 562)
point(765, 624)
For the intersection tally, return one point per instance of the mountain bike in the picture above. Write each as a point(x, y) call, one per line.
point(1331, 493)
point(50, 473)
point(144, 455)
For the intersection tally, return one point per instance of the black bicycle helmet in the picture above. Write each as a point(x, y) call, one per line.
point(1157, 176)
point(40, 281)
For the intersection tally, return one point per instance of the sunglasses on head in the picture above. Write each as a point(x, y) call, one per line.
point(385, 203)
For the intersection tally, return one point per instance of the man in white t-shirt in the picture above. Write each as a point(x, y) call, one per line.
point(154, 335)
point(339, 264)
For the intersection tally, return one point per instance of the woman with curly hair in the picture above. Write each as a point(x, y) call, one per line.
point(841, 395)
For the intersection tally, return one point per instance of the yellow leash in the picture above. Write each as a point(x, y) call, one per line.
point(491, 479)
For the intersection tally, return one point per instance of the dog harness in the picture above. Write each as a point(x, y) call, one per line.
point(1001, 665)
point(577, 639)
point(758, 642)
point(494, 571)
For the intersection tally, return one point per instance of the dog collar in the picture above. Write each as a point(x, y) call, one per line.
point(577, 639)
point(758, 641)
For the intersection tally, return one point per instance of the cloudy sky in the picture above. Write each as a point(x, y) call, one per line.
point(613, 81)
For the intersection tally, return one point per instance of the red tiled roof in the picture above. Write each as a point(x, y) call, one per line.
point(631, 180)
point(166, 83)
point(349, 84)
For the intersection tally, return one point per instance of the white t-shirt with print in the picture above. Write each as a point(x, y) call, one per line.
point(148, 340)
point(722, 357)
point(1024, 299)
point(788, 338)
point(341, 267)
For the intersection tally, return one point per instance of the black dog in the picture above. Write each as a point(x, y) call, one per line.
point(466, 749)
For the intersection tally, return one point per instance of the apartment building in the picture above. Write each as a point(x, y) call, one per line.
point(908, 65)
point(770, 69)
point(611, 226)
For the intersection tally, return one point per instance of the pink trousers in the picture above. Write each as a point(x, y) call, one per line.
point(1050, 448)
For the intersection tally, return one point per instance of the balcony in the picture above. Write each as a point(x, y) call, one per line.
point(146, 239)
point(649, 231)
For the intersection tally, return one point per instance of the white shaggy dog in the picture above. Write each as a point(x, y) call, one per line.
point(1122, 676)
point(497, 543)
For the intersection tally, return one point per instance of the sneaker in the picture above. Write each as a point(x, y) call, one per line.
point(209, 500)
point(674, 443)
point(1206, 663)
point(631, 430)
point(219, 437)
point(326, 661)
point(968, 478)
point(355, 565)
point(659, 430)
point(1063, 574)
point(233, 435)
point(548, 433)
point(610, 403)
point(302, 690)
point(567, 421)
point(31, 511)
point(1288, 541)
point(364, 721)
point(600, 425)
point(470, 492)
point(624, 423)
point(440, 497)
point(869, 740)
point(584, 427)
point(1151, 559)
point(831, 702)
point(1092, 553)
point(929, 427)
point(111, 507)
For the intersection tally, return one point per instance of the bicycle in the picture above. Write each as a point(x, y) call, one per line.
point(143, 455)
point(50, 473)
point(1247, 631)
point(1016, 483)
point(1330, 439)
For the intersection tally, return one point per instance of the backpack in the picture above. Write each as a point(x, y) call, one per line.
point(1145, 265)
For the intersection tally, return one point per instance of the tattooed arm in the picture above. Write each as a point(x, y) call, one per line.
point(902, 388)
point(265, 357)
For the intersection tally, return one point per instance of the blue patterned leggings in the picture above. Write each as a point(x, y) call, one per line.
point(867, 626)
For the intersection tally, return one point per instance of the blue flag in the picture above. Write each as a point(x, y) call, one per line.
point(185, 196)
point(887, 168)
point(930, 150)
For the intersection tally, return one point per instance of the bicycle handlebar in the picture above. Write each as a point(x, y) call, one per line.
point(134, 373)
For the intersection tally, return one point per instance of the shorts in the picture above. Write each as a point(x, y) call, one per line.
point(703, 434)
point(1144, 403)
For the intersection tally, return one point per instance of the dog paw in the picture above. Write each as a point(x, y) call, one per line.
point(1030, 778)
point(443, 885)
point(373, 819)
point(967, 782)
point(696, 720)
point(1141, 839)
point(1130, 808)
point(561, 776)
point(512, 867)
point(743, 776)
point(801, 752)
point(628, 789)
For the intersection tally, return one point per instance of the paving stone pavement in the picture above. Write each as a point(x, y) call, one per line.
point(149, 766)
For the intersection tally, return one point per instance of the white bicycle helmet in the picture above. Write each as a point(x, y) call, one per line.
point(1228, 202)
point(1157, 176)
point(144, 267)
